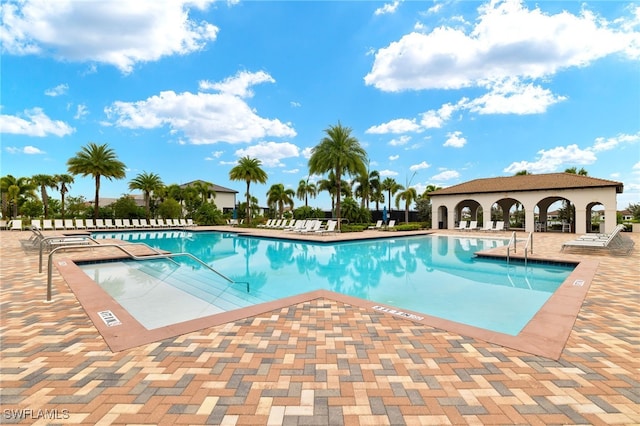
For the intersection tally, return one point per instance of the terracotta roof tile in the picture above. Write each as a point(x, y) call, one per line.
point(528, 183)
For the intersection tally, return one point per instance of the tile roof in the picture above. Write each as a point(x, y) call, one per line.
point(528, 183)
point(216, 188)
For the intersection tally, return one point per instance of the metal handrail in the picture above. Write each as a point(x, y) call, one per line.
point(132, 256)
point(511, 240)
point(526, 247)
point(67, 238)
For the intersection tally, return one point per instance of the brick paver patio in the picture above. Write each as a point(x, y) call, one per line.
point(319, 362)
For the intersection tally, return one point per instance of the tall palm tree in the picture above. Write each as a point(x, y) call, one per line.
point(341, 153)
point(98, 161)
point(249, 170)
point(391, 186)
point(306, 189)
point(280, 196)
point(63, 182)
point(147, 183)
point(409, 195)
point(43, 182)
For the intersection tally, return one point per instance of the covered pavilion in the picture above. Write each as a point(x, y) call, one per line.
point(494, 198)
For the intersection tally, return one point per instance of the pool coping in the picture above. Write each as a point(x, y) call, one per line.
point(544, 335)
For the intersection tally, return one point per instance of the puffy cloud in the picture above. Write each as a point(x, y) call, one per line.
point(145, 30)
point(455, 140)
point(29, 150)
point(393, 157)
point(239, 84)
point(508, 41)
point(385, 173)
point(270, 153)
point(401, 125)
point(420, 166)
point(81, 111)
point(606, 144)
point(435, 119)
point(402, 140)
point(446, 175)
point(511, 96)
point(551, 160)
point(387, 8)
point(204, 118)
point(60, 89)
point(36, 123)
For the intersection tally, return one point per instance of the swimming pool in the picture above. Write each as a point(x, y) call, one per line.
point(434, 275)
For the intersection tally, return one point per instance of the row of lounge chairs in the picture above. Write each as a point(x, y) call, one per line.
point(472, 225)
point(380, 225)
point(302, 226)
point(38, 241)
point(74, 224)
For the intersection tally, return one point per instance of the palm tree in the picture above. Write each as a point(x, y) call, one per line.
point(147, 183)
point(366, 185)
point(12, 196)
point(329, 185)
point(280, 196)
point(338, 152)
point(44, 181)
point(204, 189)
point(305, 189)
point(391, 186)
point(97, 161)
point(63, 182)
point(249, 170)
point(409, 195)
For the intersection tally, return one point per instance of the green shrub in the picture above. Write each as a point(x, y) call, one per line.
point(352, 228)
point(407, 227)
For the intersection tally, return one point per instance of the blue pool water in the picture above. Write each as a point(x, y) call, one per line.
point(434, 275)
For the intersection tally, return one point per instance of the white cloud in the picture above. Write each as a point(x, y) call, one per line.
point(204, 118)
point(295, 104)
point(306, 153)
point(270, 153)
point(446, 175)
point(455, 139)
point(387, 8)
point(239, 84)
point(508, 41)
point(385, 173)
point(29, 150)
point(511, 96)
point(420, 166)
point(402, 140)
point(81, 111)
point(119, 33)
point(394, 157)
point(36, 123)
point(292, 171)
point(551, 160)
point(435, 119)
point(60, 89)
point(400, 125)
point(214, 155)
point(602, 144)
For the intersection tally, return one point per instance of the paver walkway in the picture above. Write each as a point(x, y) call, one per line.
point(317, 362)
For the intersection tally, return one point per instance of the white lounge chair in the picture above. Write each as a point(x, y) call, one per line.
point(472, 226)
point(3, 224)
point(47, 225)
point(100, 224)
point(190, 222)
point(80, 223)
point(16, 225)
point(58, 224)
point(315, 227)
point(331, 228)
point(35, 223)
point(462, 225)
point(488, 226)
point(183, 223)
point(378, 225)
point(300, 224)
point(108, 223)
point(88, 223)
point(118, 223)
point(126, 223)
point(68, 224)
point(391, 225)
point(499, 226)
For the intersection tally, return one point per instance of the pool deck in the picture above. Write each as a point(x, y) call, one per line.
point(322, 360)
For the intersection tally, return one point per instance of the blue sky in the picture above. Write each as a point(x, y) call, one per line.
point(438, 92)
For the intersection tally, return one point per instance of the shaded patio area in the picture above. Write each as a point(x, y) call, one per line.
point(320, 361)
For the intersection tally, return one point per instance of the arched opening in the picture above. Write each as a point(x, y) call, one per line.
point(442, 216)
point(468, 210)
point(554, 214)
point(511, 211)
point(595, 217)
